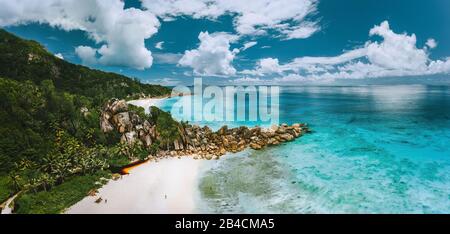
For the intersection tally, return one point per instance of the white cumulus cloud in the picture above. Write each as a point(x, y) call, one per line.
point(167, 58)
point(252, 17)
point(119, 32)
point(59, 55)
point(431, 43)
point(264, 67)
point(249, 45)
point(88, 55)
point(159, 45)
point(247, 80)
point(396, 55)
point(213, 57)
point(397, 51)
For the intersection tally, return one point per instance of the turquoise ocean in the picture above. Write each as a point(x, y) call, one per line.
point(374, 149)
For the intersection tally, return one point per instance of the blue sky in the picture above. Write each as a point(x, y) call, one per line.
point(332, 40)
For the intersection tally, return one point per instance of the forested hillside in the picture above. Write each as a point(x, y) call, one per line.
point(23, 60)
point(52, 148)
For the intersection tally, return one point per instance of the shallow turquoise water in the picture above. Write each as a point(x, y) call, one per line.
point(375, 149)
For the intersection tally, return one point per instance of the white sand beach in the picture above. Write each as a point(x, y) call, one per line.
point(147, 103)
point(169, 186)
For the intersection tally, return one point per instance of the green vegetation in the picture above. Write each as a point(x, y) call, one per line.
point(40, 125)
point(4, 188)
point(60, 197)
point(116, 157)
point(52, 147)
point(140, 111)
point(125, 151)
point(24, 60)
point(165, 125)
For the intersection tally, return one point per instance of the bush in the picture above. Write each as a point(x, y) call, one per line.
point(167, 127)
point(5, 188)
point(60, 197)
point(130, 152)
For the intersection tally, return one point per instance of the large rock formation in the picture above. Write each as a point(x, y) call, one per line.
point(193, 139)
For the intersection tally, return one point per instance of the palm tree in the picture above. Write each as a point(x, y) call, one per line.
point(98, 164)
point(49, 163)
point(83, 163)
point(23, 165)
point(62, 169)
point(15, 181)
point(33, 184)
point(46, 180)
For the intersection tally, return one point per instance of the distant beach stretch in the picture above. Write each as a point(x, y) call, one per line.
point(146, 103)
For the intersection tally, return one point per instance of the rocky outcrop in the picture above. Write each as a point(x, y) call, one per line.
point(116, 116)
point(193, 139)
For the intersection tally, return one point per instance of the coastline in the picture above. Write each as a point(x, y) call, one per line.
point(167, 186)
point(170, 183)
point(163, 186)
point(146, 103)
